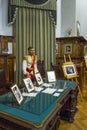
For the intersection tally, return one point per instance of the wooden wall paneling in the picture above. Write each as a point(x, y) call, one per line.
point(6, 59)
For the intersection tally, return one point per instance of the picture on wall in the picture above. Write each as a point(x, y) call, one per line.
point(28, 84)
point(67, 48)
point(85, 50)
point(69, 70)
point(17, 94)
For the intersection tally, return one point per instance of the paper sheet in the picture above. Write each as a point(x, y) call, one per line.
point(56, 94)
point(47, 85)
point(29, 94)
point(38, 89)
point(60, 90)
point(49, 90)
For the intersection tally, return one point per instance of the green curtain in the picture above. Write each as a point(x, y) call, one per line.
point(34, 27)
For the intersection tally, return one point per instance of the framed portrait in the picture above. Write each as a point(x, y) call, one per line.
point(51, 76)
point(39, 78)
point(28, 84)
point(17, 94)
point(85, 58)
point(85, 50)
point(69, 70)
point(67, 48)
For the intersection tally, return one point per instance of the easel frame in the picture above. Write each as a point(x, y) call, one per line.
point(74, 75)
point(85, 58)
point(69, 70)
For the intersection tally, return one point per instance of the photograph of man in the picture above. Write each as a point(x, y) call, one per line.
point(17, 94)
point(29, 83)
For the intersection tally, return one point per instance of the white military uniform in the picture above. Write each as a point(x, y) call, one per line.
point(30, 65)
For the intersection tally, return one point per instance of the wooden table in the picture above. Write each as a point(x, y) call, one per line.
point(42, 112)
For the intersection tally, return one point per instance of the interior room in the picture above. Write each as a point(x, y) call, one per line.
point(43, 64)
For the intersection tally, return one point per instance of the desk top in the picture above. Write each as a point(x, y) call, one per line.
point(35, 109)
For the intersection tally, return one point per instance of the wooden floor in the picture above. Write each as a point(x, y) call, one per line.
point(80, 119)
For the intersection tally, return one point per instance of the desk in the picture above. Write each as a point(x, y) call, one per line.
point(42, 112)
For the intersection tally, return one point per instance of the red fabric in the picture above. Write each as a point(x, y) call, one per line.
point(29, 69)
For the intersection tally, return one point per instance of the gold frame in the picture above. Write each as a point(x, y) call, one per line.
point(39, 78)
point(51, 76)
point(85, 58)
point(28, 84)
point(69, 70)
point(17, 94)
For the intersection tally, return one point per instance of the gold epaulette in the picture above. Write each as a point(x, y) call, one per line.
point(26, 57)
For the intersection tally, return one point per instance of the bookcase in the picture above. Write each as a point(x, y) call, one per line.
point(7, 56)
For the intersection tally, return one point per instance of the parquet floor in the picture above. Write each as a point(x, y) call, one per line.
point(80, 119)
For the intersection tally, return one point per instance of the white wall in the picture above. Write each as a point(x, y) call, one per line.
point(71, 11)
point(81, 16)
point(68, 12)
point(67, 16)
point(5, 29)
point(58, 26)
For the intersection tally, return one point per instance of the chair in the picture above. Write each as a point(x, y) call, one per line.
point(58, 71)
point(4, 86)
point(41, 68)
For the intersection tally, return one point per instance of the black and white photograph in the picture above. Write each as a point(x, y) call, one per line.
point(69, 70)
point(39, 78)
point(17, 93)
point(68, 48)
point(51, 76)
point(28, 84)
point(85, 50)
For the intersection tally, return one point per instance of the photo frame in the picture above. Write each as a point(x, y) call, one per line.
point(39, 78)
point(85, 58)
point(51, 76)
point(69, 70)
point(67, 48)
point(28, 84)
point(85, 50)
point(17, 94)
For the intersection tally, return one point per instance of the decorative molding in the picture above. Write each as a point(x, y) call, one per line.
point(37, 2)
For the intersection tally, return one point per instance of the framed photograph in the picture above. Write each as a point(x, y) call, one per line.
point(85, 50)
point(17, 94)
point(67, 48)
point(85, 58)
point(28, 84)
point(51, 76)
point(39, 78)
point(69, 70)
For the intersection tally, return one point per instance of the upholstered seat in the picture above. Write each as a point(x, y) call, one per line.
point(4, 86)
point(58, 71)
point(41, 68)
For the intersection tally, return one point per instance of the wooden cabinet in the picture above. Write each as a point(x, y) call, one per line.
point(7, 56)
point(76, 47)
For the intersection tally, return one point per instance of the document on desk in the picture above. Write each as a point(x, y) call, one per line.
point(32, 94)
point(56, 94)
point(49, 90)
point(47, 85)
point(60, 90)
point(38, 89)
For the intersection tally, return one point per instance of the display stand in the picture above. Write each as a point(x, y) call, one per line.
point(70, 72)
